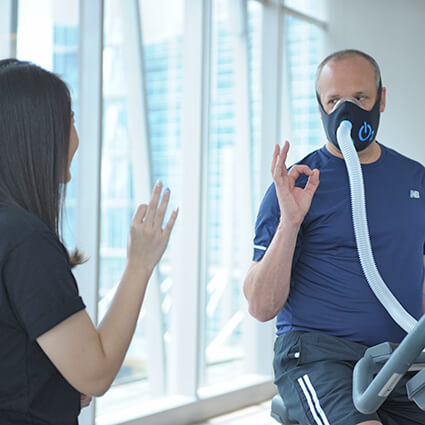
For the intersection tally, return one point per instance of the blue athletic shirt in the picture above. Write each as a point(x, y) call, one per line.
point(329, 293)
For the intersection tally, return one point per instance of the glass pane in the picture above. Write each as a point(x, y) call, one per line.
point(47, 35)
point(7, 29)
point(162, 27)
point(304, 51)
point(314, 8)
point(255, 17)
point(161, 34)
point(224, 350)
point(116, 179)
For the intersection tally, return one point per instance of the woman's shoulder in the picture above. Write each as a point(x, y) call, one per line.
point(18, 225)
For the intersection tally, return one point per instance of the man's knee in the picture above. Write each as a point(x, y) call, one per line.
point(370, 423)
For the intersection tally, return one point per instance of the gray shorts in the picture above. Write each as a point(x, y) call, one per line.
point(317, 385)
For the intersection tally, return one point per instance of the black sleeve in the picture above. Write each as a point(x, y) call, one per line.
point(41, 287)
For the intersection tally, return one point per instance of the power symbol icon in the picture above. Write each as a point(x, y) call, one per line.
point(366, 132)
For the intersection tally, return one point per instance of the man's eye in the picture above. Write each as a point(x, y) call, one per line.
point(332, 101)
point(361, 98)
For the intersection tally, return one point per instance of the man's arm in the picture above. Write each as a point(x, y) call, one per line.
point(266, 286)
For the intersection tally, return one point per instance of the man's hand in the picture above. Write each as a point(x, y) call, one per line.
point(85, 400)
point(267, 283)
point(294, 202)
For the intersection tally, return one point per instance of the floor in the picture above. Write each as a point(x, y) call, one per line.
point(258, 414)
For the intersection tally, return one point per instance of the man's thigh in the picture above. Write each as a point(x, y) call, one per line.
point(314, 378)
point(320, 393)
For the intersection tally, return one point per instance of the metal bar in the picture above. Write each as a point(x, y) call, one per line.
point(142, 175)
point(185, 358)
point(87, 232)
point(263, 333)
point(243, 167)
point(13, 28)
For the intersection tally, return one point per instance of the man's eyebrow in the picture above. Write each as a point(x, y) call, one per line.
point(337, 96)
point(332, 96)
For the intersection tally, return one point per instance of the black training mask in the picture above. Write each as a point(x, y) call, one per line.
point(365, 123)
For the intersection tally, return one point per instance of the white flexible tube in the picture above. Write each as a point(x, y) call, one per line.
point(361, 231)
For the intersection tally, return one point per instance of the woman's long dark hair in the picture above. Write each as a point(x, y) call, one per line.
point(35, 124)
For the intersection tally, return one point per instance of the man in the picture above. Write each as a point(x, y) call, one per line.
point(306, 269)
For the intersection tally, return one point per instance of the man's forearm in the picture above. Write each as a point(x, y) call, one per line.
point(266, 285)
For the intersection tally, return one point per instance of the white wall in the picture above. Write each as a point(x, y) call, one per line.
point(393, 32)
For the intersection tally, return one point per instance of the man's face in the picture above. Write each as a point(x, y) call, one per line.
point(349, 77)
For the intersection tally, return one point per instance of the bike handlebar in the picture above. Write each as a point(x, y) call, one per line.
point(370, 392)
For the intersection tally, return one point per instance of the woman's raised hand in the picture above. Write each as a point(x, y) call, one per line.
point(148, 238)
point(90, 358)
point(294, 202)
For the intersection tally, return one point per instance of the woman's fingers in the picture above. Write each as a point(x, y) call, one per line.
point(171, 221)
point(154, 214)
point(153, 203)
point(140, 213)
point(148, 239)
point(159, 218)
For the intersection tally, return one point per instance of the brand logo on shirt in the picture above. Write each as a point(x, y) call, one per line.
point(415, 194)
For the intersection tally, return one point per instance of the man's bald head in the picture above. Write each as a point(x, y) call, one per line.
point(345, 54)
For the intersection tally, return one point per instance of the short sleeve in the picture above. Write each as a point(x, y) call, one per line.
point(265, 227)
point(41, 287)
point(266, 223)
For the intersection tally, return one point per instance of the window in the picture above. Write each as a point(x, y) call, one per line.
point(255, 17)
point(142, 84)
point(302, 51)
point(311, 8)
point(48, 36)
point(149, 131)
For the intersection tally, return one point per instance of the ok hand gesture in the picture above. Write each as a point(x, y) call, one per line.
point(294, 202)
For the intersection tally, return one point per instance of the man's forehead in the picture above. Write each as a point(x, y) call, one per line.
point(353, 72)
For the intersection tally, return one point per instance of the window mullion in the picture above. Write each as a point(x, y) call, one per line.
point(87, 233)
point(141, 161)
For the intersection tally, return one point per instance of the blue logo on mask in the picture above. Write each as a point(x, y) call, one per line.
point(366, 132)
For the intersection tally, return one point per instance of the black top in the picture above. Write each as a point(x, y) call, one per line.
point(37, 292)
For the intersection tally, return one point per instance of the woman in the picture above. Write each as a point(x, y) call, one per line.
point(50, 351)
